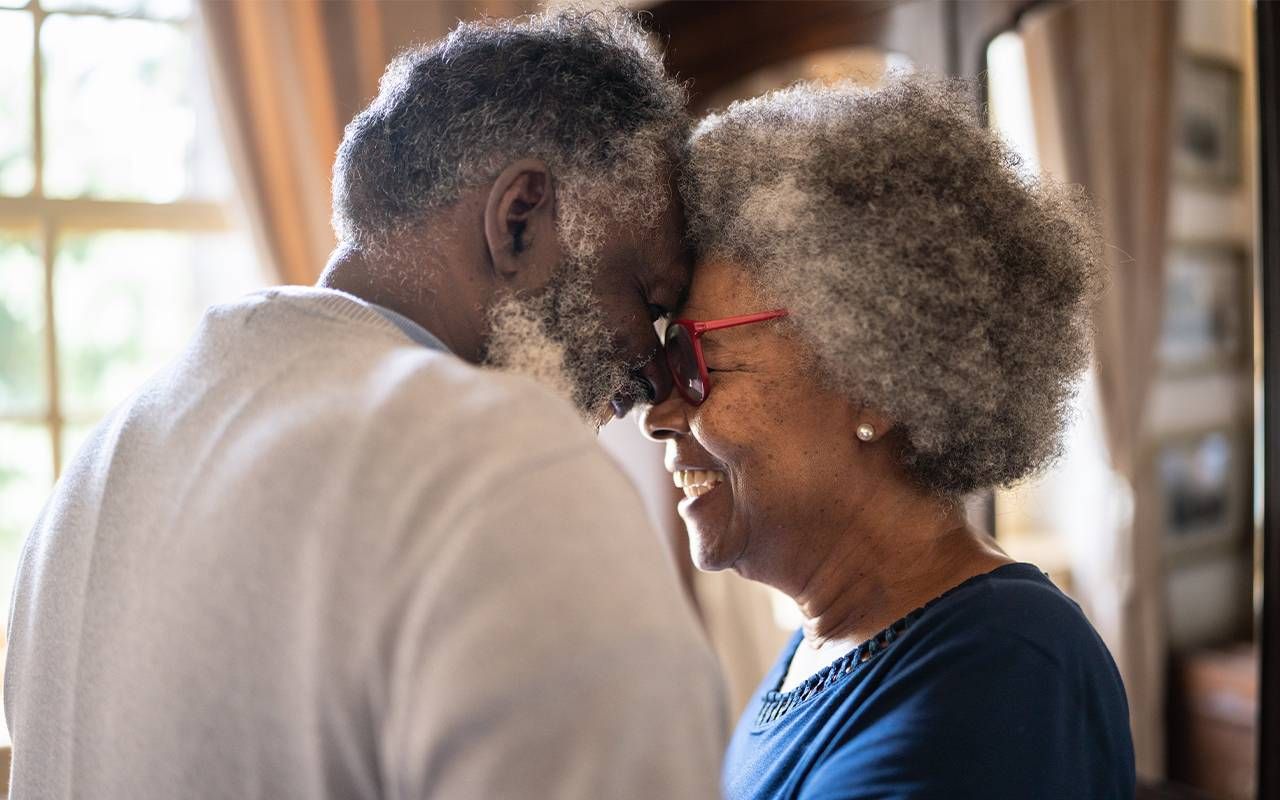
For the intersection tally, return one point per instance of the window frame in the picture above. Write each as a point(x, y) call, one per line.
point(47, 219)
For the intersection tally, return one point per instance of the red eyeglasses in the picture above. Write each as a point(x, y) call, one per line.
point(683, 347)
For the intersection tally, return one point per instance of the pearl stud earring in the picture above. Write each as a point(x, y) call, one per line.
point(866, 433)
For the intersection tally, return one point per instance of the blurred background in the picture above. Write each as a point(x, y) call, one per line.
point(157, 156)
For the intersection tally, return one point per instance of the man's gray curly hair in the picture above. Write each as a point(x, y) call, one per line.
point(583, 90)
point(930, 280)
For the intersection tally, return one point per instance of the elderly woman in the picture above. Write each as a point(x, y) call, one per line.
point(885, 318)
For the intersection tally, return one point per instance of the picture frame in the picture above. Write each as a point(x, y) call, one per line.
point(1202, 486)
point(1207, 124)
point(1206, 319)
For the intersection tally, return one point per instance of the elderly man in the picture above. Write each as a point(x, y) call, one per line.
point(351, 543)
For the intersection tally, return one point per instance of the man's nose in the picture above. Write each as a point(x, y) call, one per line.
point(657, 378)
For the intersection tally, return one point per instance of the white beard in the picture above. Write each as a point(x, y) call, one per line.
point(532, 336)
point(519, 343)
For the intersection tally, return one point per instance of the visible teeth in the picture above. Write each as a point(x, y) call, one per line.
point(696, 482)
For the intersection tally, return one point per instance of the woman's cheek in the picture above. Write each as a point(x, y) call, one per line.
point(725, 432)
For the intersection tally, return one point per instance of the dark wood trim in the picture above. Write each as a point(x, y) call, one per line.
point(952, 27)
point(764, 33)
point(713, 43)
point(976, 24)
point(1268, 49)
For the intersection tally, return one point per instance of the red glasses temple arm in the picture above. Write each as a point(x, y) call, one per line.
point(729, 322)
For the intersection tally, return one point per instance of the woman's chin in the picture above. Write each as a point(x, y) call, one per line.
point(708, 548)
point(709, 562)
point(705, 519)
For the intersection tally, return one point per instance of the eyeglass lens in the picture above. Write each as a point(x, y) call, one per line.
point(684, 363)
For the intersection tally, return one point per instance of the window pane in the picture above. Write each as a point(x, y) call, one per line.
point(118, 116)
point(1009, 94)
point(127, 302)
point(158, 9)
point(74, 435)
point(22, 346)
point(26, 476)
point(17, 164)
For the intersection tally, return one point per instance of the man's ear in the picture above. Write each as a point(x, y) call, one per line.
point(519, 225)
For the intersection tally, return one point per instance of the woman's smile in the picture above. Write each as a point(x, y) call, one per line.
point(697, 482)
point(701, 489)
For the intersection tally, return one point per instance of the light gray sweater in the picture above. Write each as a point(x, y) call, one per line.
point(314, 559)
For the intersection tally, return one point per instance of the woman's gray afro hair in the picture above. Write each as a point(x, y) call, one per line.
point(931, 281)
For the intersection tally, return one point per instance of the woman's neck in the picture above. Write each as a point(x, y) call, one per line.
point(884, 564)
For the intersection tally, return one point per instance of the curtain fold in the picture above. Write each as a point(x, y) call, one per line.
point(1101, 87)
point(288, 76)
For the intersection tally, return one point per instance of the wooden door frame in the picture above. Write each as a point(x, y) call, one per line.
point(1267, 43)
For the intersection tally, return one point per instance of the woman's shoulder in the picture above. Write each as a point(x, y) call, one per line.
point(998, 688)
point(1013, 607)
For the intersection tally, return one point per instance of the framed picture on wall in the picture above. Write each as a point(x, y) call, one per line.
point(1206, 310)
point(1206, 134)
point(1202, 481)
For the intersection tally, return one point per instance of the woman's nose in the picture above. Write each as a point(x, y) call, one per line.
point(665, 420)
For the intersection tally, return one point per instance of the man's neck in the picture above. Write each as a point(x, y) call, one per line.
point(403, 289)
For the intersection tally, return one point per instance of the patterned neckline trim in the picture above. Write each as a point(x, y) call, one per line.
point(774, 704)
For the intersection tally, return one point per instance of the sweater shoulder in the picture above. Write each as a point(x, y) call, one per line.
point(352, 367)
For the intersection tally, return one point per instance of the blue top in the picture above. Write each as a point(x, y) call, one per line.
point(999, 688)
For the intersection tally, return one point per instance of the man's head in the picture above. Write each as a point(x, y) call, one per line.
point(512, 188)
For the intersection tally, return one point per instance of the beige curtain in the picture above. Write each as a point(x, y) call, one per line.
point(1101, 81)
point(748, 624)
point(288, 75)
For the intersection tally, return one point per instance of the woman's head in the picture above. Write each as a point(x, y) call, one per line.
point(930, 280)
point(932, 292)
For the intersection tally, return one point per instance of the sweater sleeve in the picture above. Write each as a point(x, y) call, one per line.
point(548, 650)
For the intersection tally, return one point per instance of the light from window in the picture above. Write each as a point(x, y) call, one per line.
point(17, 161)
point(1009, 99)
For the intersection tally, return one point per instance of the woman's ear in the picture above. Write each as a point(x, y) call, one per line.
point(519, 225)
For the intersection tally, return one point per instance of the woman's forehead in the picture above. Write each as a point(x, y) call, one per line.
point(719, 289)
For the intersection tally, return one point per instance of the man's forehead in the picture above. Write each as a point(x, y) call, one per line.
point(680, 266)
point(672, 255)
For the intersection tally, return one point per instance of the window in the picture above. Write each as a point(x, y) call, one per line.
point(1057, 519)
point(116, 224)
